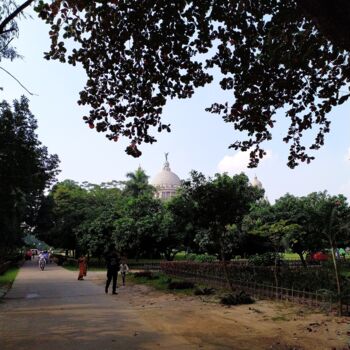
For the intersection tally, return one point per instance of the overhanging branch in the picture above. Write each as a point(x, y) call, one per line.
point(13, 15)
point(17, 81)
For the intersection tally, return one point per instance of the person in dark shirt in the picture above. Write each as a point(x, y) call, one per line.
point(113, 264)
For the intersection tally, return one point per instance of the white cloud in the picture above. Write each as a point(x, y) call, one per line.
point(238, 162)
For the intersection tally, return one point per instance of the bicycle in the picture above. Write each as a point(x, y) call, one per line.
point(42, 263)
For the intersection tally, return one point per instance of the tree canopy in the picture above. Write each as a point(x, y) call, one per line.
point(291, 55)
point(272, 55)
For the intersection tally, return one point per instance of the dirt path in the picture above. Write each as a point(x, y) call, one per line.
point(263, 325)
point(52, 310)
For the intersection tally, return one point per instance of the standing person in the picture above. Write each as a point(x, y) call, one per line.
point(124, 269)
point(82, 262)
point(28, 255)
point(113, 262)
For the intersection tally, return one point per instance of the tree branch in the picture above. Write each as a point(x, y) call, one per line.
point(4, 48)
point(18, 81)
point(13, 15)
point(8, 30)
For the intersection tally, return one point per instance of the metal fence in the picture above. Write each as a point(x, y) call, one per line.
point(323, 299)
point(153, 266)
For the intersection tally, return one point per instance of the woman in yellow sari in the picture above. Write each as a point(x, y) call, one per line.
point(82, 262)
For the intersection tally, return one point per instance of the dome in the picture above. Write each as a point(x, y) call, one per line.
point(166, 178)
point(256, 183)
point(166, 182)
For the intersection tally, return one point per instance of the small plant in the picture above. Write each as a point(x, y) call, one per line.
point(146, 274)
point(201, 257)
point(266, 259)
point(204, 291)
point(237, 299)
point(180, 285)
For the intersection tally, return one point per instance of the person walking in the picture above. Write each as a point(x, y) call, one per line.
point(124, 269)
point(113, 264)
point(82, 262)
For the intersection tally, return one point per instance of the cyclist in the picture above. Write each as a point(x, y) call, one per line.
point(46, 256)
point(42, 261)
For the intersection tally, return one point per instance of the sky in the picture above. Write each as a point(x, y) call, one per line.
point(198, 141)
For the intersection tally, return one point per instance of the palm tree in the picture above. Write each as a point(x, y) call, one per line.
point(137, 184)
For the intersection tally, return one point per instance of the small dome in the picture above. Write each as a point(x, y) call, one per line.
point(256, 183)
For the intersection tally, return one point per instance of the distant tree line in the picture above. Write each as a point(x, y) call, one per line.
point(223, 216)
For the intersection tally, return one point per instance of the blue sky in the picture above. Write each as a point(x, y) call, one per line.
point(198, 139)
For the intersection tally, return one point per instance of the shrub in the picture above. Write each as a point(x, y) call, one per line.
point(266, 259)
point(237, 299)
point(201, 257)
point(146, 274)
point(204, 291)
point(70, 262)
point(180, 285)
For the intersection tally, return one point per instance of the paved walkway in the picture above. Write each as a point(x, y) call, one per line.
point(52, 310)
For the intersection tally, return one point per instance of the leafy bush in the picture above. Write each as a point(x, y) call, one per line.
point(180, 285)
point(266, 259)
point(237, 299)
point(58, 259)
point(204, 291)
point(201, 257)
point(146, 274)
point(70, 262)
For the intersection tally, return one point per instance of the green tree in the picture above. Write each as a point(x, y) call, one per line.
point(79, 217)
point(278, 233)
point(26, 170)
point(68, 202)
point(220, 206)
point(137, 184)
point(180, 211)
point(330, 221)
point(101, 209)
point(137, 232)
point(274, 55)
point(291, 210)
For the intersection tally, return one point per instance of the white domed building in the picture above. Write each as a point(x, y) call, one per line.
point(166, 182)
point(257, 183)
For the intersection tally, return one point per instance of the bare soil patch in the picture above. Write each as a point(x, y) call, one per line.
point(263, 325)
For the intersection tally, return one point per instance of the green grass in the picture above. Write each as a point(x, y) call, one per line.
point(8, 277)
point(180, 256)
point(291, 256)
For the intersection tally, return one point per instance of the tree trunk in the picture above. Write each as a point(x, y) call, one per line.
point(335, 264)
point(223, 259)
point(302, 259)
point(275, 273)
